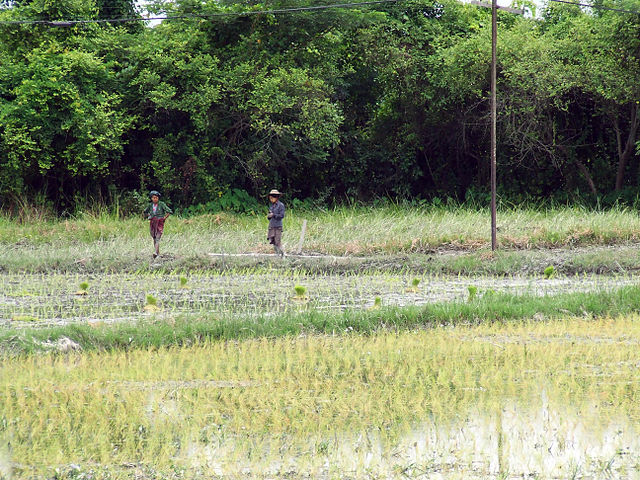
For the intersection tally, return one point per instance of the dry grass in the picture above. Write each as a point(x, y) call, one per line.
point(351, 230)
point(103, 243)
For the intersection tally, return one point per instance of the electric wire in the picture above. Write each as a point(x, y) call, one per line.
point(201, 16)
point(597, 7)
point(204, 16)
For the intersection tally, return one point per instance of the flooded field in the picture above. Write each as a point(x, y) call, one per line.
point(486, 402)
point(515, 442)
point(57, 298)
point(550, 399)
point(220, 361)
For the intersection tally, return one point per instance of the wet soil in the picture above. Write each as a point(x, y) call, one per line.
point(600, 259)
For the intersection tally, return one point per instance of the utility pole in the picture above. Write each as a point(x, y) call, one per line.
point(494, 115)
point(494, 43)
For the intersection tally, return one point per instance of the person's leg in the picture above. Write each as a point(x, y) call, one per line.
point(153, 225)
point(272, 239)
point(278, 243)
point(159, 232)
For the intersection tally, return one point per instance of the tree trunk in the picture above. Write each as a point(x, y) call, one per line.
point(582, 168)
point(626, 152)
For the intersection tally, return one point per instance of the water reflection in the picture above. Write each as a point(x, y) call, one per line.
point(540, 441)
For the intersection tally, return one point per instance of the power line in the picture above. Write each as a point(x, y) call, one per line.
point(204, 16)
point(103, 8)
point(597, 7)
point(201, 16)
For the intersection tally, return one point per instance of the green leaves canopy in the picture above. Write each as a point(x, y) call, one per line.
point(391, 98)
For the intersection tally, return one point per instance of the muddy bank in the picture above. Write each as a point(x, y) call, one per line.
point(614, 259)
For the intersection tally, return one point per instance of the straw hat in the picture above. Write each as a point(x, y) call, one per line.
point(274, 193)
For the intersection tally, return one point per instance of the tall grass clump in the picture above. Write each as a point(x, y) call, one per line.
point(364, 231)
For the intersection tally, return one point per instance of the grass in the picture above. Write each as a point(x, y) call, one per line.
point(105, 242)
point(329, 406)
point(486, 308)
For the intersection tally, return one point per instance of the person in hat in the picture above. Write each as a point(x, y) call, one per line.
point(156, 212)
point(275, 216)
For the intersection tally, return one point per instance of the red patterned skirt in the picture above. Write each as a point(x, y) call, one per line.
point(156, 227)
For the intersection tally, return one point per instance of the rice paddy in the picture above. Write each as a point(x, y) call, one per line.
point(59, 299)
point(413, 354)
point(550, 399)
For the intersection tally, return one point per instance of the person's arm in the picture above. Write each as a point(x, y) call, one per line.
point(167, 211)
point(146, 213)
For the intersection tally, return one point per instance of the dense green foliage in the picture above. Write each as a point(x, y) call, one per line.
point(389, 99)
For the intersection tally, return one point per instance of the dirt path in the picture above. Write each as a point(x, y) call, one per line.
point(619, 259)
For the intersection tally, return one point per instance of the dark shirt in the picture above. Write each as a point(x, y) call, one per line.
point(161, 211)
point(278, 214)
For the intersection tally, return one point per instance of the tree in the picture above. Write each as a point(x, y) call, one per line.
point(572, 92)
point(61, 124)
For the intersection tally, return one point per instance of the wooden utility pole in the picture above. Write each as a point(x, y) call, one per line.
point(494, 42)
point(494, 115)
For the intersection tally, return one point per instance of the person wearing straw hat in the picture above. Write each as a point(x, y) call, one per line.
point(156, 212)
point(275, 216)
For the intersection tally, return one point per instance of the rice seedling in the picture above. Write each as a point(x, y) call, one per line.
point(414, 286)
point(84, 288)
point(152, 304)
point(549, 272)
point(377, 303)
point(325, 405)
point(301, 292)
point(473, 291)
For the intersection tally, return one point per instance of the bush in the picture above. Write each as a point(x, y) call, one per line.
point(233, 200)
